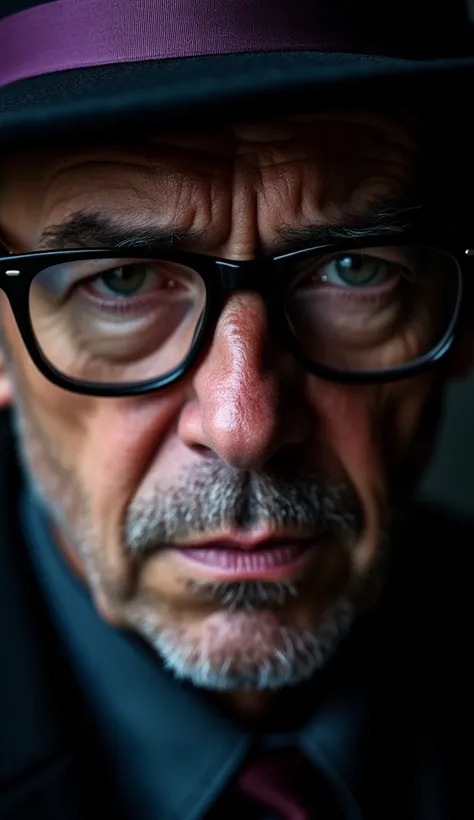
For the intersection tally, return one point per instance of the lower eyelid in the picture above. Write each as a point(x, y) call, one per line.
point(360, 294)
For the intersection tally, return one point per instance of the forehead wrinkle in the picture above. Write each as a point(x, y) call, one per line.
point(322, 195)
point(187, 205)
point(203, 194)
point(317, 176)
point(169, 160)
point(207, 161)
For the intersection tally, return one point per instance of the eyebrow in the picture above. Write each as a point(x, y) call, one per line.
point(389, 217)
point(83, 230)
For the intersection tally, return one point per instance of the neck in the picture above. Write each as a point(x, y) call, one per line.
point(285, 710)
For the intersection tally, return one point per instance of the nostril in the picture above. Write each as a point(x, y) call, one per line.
point(204, 451)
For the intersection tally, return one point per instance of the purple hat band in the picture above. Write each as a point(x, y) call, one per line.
point(66, 34)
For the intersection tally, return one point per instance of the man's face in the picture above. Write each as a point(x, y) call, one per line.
point(249, 446)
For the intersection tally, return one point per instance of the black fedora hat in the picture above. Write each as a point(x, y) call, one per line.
point(68, 67)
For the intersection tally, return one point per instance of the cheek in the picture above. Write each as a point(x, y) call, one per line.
point(368, 432)
point(349, 421)
point(110, 444)
point(61, 418)
point(106, 445)
point(374, 432)
point(412, 414)
point(349, 428)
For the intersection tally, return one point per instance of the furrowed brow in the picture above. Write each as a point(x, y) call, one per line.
point(94, 230)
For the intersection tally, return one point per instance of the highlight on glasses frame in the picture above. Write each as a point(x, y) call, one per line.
point(130, 321)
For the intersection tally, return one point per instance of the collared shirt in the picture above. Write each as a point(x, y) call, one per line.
point(172, 753)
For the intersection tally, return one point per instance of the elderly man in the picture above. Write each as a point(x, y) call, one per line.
point(232, 296)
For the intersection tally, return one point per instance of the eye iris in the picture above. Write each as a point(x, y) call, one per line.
point(125, 280)
point(358, 270)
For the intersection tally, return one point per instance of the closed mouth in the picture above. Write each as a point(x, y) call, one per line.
point(272, 558)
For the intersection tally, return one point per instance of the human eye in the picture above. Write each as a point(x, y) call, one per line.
point(128, 280)
point(116, 283)
point(357, 270)
point(369, 270)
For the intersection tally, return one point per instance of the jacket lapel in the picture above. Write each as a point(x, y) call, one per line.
point(54, 793)
point(47, 768)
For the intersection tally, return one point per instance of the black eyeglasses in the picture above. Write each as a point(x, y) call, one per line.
point(126, 322)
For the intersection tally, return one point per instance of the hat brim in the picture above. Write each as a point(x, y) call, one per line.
point(198, 90)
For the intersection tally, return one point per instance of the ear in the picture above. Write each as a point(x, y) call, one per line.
point(5, 383)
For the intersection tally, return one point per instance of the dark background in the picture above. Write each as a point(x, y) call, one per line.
point(450, 480)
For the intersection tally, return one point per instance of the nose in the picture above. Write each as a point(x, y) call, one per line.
point(247, 403)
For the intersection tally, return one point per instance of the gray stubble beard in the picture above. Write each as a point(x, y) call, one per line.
point(241, 631)
point(294, 655)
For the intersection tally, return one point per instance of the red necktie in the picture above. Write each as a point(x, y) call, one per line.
point(287, 784)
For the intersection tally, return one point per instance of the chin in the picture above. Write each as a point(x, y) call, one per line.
point(258, 650)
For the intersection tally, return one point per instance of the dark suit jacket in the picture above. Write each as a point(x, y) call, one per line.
point(50, 761)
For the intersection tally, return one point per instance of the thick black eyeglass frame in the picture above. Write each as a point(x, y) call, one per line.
point(269, 276)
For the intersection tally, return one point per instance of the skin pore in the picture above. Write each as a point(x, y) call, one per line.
point(124, 478)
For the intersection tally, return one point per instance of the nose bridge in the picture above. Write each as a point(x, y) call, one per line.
point(246, 286)
point(242, 337)
point(239, 384)
point(242, 276)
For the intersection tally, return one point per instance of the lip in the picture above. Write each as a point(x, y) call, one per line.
point(257, 540)
point(274, 559)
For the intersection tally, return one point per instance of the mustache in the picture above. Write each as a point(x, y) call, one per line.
point(214, 498)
